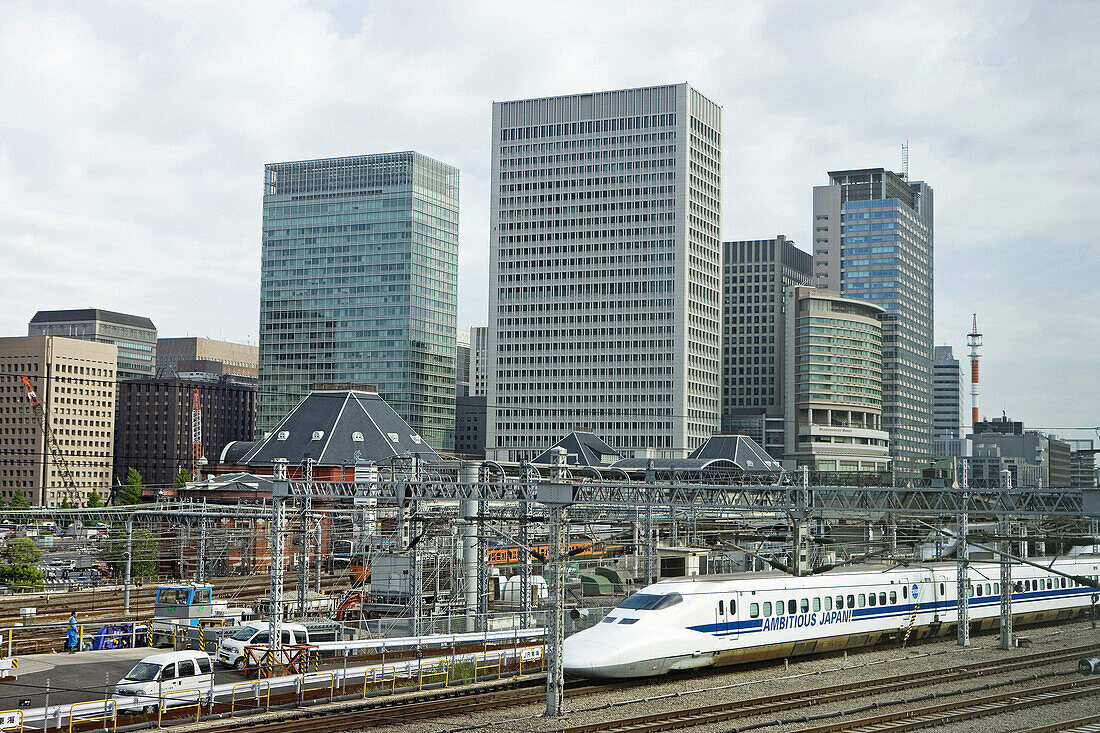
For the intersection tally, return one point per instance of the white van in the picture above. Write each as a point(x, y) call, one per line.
point(158, 675)
point(255, 633)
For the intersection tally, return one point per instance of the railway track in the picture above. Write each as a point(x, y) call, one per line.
point(783, 703)
point(1088, 724)
point(107, 602)
point(386, 712)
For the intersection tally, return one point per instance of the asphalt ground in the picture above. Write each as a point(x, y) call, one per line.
point(77, 677)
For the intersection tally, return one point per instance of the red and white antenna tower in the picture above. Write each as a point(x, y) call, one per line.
point(974, 341)
point(196, 433)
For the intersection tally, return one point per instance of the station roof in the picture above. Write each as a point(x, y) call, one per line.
point(741, 449)
point(339, 427)
point(582, 448)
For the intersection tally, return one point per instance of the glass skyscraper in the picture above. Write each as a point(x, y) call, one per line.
point(359, 284)
point(873, 242)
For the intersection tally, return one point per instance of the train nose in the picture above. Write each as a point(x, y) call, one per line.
point(584, 658)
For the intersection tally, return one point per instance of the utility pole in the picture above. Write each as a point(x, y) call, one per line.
point(280, 491)
point(305, 519)
point(647, 526)
point(557, 495)
point(963, 554)
point(1004, 529)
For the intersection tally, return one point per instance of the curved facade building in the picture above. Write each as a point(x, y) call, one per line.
point(834, 383)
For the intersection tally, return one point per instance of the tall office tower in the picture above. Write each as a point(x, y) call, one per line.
point(873, 242)
point(479, 360)
point(947, 394)
point(359, 284)
point(75, 383)
point(135, 336)
point(755, 278)
point(834, 382)
point(605, 281)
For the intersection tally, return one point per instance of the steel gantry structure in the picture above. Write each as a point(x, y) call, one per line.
point(596, 496)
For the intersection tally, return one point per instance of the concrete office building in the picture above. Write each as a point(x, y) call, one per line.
point(135, 336)
point(834, 379)
point(240, 360)
point(462, 363)
point(873, 241)
point(153, 424)
point(605, 280)
point(1082, 459)
point(479, 361)
point(1035, 459)
point(755, 277)
point(359, 281)
point(947, 394)
point(75, 382)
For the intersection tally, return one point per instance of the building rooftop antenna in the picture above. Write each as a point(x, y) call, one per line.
point(905, 160)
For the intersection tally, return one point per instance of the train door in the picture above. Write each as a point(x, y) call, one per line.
point(726, 616)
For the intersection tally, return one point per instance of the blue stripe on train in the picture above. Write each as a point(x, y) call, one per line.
point(901, 610)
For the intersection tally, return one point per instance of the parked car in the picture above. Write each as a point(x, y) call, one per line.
point(158, 675)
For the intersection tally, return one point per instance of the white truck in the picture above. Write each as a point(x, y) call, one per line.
point(256, 633)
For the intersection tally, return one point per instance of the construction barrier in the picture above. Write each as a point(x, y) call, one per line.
point(380, 677)
point(532, 656)
point(312, 678)
point(105, 711)
point(487, 661)
point(11, 720)
point(180, 700)
point(442, 675)
point(255, 687)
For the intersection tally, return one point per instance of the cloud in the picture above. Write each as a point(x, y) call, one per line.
point(135, 136)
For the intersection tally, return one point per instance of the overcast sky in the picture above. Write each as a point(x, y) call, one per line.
point(133, 138)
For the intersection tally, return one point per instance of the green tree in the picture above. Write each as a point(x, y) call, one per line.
point(182, 478)
point(146, 553)
point(94, 502)
point(20, 501)
point(18, 560)
point(20, 551)
point(66, 504)
point(131, 492)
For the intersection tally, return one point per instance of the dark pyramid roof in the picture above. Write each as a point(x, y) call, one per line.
point(582, 448)
point(745, 452)
point(339, 428)
point(92, 314)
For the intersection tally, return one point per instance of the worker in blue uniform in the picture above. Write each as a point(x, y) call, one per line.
point(72, 636)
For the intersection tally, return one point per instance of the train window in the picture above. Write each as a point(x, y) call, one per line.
point(979, 589)
point(1050, 583)
point(651, 602)
point(941, 589)
point(905, 591)
point(202, 595)
point(840, 603)
point(767, 608)
point(779, 607)
point(804, 605)
point(608, 620)
point(852, 601)
point(1064, 583)
point(829, 603)
point(628, 621)
point(988, 589)
point(970, 590)
point(733, 606)
point(721, 609)
point(754, 610)
point(792, 607)
point(817, 604)
point(862, 600)
point(882, 598)
point(871, 599)
point(996, 589)
point(893, 597)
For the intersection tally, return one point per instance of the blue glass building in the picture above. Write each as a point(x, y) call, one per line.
point(359, 284)
point(873, 241)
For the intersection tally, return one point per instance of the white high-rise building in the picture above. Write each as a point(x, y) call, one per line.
point(605, 274)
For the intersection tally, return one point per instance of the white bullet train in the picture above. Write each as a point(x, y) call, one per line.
point(717, 620)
